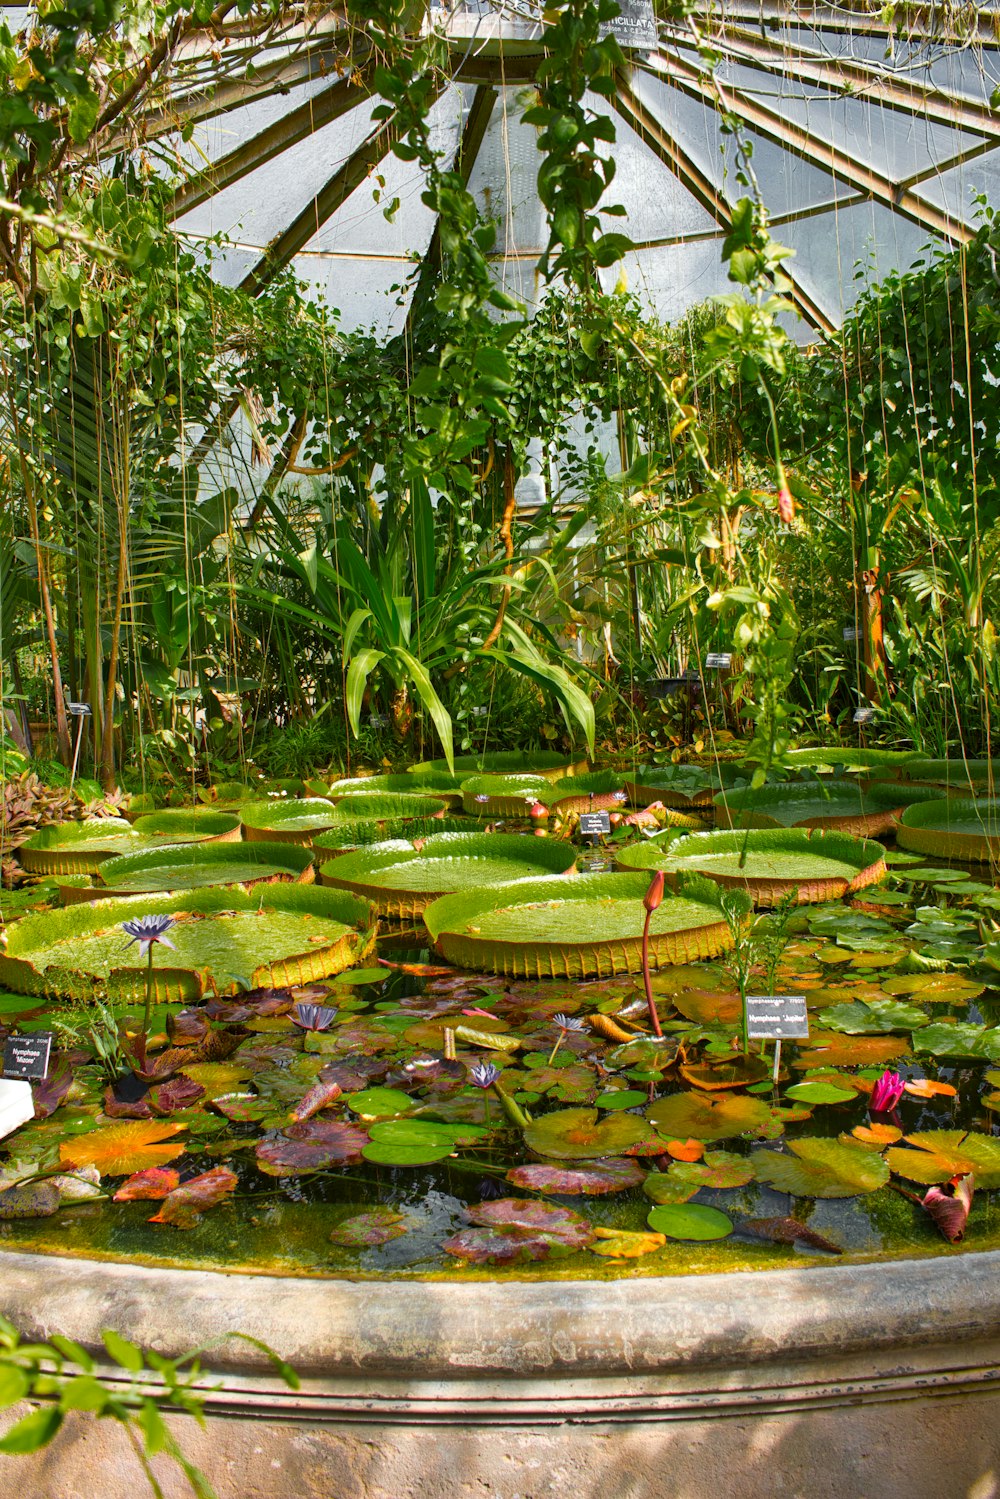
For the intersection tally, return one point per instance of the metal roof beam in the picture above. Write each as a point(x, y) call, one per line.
point(312, 115)
point(330, 197)
point(802, 142)
point(666, 149)
point(858, 80)
point(979, 23)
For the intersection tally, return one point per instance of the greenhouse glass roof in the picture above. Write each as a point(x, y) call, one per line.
point(870, 141)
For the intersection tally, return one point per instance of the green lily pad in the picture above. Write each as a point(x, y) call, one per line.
point(573, 928)
point(194, 866)
point(578, 1134)
point(957, 827)
point(976, 1042)
point(691, 1221)
point(872, 1017)
point(767, 863)
point(224, 940)
point(624, 1098)
point(819, 1092)
point(837, 804)
point(711, 1116)
point(717, 1169)
point(380, 1103)
point(940, 1154)
point(821, 1168)
point(402, 880)
point(664, 1187)
point(408, 1142)
point(189, 825)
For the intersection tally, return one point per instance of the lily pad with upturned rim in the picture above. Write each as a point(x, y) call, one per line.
point(589, 926)
point(194, 866)
point(224, 939)
point(839, 805)
point(189, 825)
point(957, 827)
point(78, 847)
point(402, 880)
point(504, 795)
point(768, 863)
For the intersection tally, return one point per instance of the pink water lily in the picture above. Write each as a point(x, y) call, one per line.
point(886, 1093)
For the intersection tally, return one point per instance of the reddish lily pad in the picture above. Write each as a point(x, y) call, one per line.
point(316, 1145)
point(718, 1169)
point(180, 1093)
point(486, 1246)
point(821, 1168)
point(578, 1134)
point(31, 1200)
point(320, 1096)
point(368, 1230)
point(831, 1049)
point(787, 1231)
point(515, 1215)
point(591, 1180)
point(185, 1205)
point(149, 1186)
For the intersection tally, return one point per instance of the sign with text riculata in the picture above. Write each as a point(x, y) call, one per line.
point(719, 660)
point(595, 824)
point(27, 1056)
point(864, 715)
point(777, 1017)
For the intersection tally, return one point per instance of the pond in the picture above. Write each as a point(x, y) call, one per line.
point(591, 1154)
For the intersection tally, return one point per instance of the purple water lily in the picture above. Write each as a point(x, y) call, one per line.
point(566, 1023)
point(886, 1093)
point(313, 1017)
point(147, 930)
point(483, 1074)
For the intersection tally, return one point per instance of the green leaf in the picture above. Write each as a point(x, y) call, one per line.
point(690, 1220)
point(14, 1384)
point(821, 1168)
point(122, 1351)
point(154, 1428)
point(34, 1431)
point(361, 667)
point(84, 1393)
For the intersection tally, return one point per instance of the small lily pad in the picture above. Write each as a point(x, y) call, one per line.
point(368, 1230)
point(593, 1179)
point(625, 1244)
point(819, 1092)
point(380, 1103)
point(690, 1220)
point(625, 1098)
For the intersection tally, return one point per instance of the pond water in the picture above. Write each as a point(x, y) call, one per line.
point(902, 979)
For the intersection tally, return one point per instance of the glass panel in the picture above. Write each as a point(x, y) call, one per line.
point(659, 207)
point(957, 189)
point(504, 176)
point(841, 252)
point(218, 136)
point(367, 293)
point(260, 206)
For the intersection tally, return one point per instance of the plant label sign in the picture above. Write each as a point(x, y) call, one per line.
point(719, 660)
point(27, 1056)
point(850, 633)
point(595, 824)
point(864, 715)
point(777, 1017)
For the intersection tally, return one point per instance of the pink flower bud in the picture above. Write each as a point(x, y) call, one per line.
point(654, 894)
point(786, 505)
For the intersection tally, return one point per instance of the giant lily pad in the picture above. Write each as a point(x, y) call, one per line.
point(192, 867)
point(548, 763)
point(439, 784)
point(189, 825)
point(594, 1179)
point(836, 804)
point(954, 828)
point(940, 1154)
point(768, 863)
point(596, 791)
point(674, 786)
point(224, 940)
point(821, 1168)
point(503, 795)
point(401, 880)
point(712, 1116)
point(78, 847)
point(579, 1134)
point(559, 928)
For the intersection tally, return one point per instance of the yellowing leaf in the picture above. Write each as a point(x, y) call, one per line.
point(621, 1244)
point(124, 1148)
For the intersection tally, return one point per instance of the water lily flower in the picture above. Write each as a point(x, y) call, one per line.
point(949, 1206)
point(565, 1023)
point(146, 930)
point(886, 1093)
point(313, 1017)
point(483, 1074)
point(621, 796)
point(481, 796)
